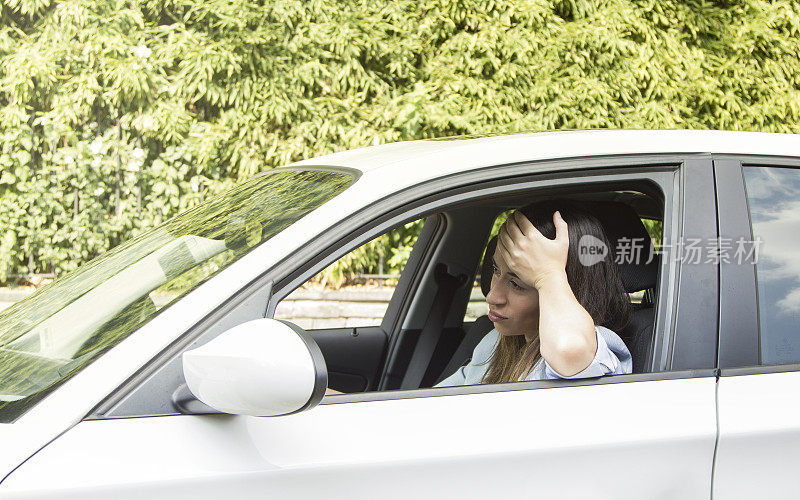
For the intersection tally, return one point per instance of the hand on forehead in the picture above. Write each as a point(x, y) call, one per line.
point(527, 252)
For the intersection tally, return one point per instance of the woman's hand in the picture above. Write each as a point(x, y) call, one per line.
point(531, 255)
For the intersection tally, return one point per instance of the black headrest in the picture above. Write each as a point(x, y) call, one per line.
point(628, 236)
point(625, 233)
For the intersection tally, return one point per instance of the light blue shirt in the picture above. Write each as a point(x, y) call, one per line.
point(612, 358)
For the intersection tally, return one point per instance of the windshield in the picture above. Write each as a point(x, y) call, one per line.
point(63, 327)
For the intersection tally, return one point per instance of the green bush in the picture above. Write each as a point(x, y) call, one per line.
point(118, 114)
point(391, 249)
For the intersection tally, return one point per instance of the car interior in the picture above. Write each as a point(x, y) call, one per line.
point(424, 336)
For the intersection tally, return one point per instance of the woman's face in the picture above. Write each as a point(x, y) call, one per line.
point(513, 305)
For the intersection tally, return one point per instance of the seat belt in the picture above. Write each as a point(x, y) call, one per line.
point(463, 352)
point(447, 285)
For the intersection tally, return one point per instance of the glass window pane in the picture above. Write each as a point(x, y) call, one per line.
point(774, 198)
point(355, 290)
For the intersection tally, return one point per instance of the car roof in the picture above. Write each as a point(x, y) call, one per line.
point(432, 158)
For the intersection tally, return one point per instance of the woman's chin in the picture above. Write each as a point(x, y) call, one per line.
point(502, 330)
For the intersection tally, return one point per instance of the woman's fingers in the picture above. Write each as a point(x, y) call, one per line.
point(520, 233)
point(506, 241)
point(501, 250)
point(525, 226)
point(527, 252)
point(562, 231)
point(513, 228)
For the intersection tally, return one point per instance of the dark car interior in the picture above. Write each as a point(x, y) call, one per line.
point(423, 337)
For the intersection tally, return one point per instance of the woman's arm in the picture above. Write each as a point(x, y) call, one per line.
point(566, 331)
point(567, 337)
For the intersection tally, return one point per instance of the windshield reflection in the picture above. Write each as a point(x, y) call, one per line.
point(60, 329)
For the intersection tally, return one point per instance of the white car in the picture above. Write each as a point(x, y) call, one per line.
point(157, 371)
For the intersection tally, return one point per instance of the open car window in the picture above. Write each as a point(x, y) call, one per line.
point(462, 247)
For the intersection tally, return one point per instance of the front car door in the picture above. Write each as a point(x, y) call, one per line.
point(628, 436)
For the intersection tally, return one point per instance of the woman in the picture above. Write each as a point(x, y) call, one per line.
point(553, 316)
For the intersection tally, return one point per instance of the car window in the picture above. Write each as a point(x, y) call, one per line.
point(354, 291)
point(773, 196)
point(57, 331)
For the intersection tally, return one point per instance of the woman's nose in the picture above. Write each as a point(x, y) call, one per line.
point(495, 295)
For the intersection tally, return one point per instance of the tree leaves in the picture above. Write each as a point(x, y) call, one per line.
point(116, 114)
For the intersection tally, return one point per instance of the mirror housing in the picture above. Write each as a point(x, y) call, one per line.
point(264, 367)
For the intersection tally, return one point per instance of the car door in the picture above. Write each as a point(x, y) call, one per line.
point(759, 415)
point(627, 436)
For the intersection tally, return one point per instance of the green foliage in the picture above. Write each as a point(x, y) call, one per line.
point(117, 114)
point(392, 249)
point(498, 223)
point(654, 230)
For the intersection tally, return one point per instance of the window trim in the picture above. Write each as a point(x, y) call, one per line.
point(758, 370)
point(697, 291)
point(433, 392)
point(738, 287)
point(634, 171)
point(741, 355)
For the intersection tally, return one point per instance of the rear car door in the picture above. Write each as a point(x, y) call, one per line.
point(759, 413)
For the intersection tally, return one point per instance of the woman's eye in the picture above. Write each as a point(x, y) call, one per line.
point(495, 270)
point(516, 285)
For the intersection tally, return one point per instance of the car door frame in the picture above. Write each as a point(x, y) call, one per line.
point(739, 337)
point(691, 310)
point(757, 428)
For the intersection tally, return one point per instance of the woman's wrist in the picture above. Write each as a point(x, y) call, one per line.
point(552, 279)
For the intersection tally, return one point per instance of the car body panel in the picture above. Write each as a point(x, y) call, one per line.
point(21, 441)
point(623, 439)
point(759, 437)
point(420, 160)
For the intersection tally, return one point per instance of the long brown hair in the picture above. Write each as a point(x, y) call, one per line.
point(598, 288)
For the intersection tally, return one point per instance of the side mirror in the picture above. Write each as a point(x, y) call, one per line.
point(263, 367)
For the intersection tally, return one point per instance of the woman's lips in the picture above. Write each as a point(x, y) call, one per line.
point(494, 317)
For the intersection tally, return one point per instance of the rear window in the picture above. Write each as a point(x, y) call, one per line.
point(773, 195)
